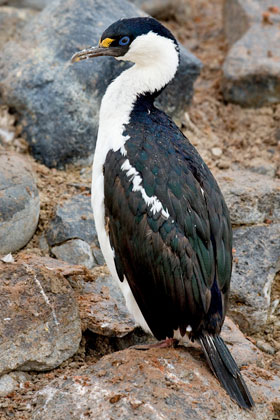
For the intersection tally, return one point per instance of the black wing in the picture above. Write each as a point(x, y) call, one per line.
point(178, 267)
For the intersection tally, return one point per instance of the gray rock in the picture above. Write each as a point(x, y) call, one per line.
point(12, 22)
point(40, 325)
point(266, 347)
point(74, 251)
point(251, 71)
point(19, 203)
point(58, 103)
point(155, 384)
point(255, 266)
point(32, 4)
point(73, 233)
point(73, 220)
point(165, 9)
point(250, 197)
point(10, 382)
point(98, 256)
point(7, 385)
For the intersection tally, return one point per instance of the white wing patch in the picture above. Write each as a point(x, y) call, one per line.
point(134, 177)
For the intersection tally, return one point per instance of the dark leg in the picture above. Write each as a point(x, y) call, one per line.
point(168, 342)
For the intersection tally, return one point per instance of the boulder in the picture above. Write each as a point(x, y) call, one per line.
point(58, 103)
point(40, 325)
point(251, 71)
point(165, 9)
point(251, 197)
point(19, 202)
point(154, 384)
point(32, 4)
point(12, 22)
point(256, 259)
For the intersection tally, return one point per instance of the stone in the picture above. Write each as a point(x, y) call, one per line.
point(72, 235)
point(251, 71)
point(216, 151)
point(155, 384)
point(256, 259)
point(98, 256)
point(10, 382)
point(103, 310)
point(251, 197)
point(58, 103)
point(40, 325)
point(266, 347)
point(74, 251)
point(32, 4)
point(19, 202)
point(243, 351)
point(7, 385)
point(12, 22)
point(73, 220)
point(165, 9)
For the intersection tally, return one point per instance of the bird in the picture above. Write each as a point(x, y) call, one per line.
point(161, 219)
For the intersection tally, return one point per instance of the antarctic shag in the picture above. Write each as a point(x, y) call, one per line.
point(161, 219)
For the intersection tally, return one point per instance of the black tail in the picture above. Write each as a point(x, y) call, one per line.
point(225, 369)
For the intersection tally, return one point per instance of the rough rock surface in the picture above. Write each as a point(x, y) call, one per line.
point(57, 102)
point(40, 325)
point(155, 384)
point(103, 309)
point(75, 251)
point(19, 202)
point(72, 235)
point(32, 4)
point(73, 219)
point(255, 265)
point(250, 197)
point(12, 21)
point(10, 382)
point(164, 9)
point(252, 67)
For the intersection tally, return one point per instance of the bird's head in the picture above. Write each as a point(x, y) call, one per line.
point(140, 40)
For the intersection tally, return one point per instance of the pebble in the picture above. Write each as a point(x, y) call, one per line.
point(266, 347)
point(216, 151)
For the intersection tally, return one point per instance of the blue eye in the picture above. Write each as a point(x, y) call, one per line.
point(124, 40)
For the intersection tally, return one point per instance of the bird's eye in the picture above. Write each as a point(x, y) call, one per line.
point(124, 40)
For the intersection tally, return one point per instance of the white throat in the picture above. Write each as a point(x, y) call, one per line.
point(156, 62)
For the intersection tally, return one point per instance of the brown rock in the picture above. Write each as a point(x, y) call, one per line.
point(155, 384)
point(40, 325)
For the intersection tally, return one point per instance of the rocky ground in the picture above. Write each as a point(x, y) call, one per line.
point(54, 368)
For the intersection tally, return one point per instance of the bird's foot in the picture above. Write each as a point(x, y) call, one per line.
point(168, 342)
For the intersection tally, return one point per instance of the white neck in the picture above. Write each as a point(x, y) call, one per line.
point(156, 61)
